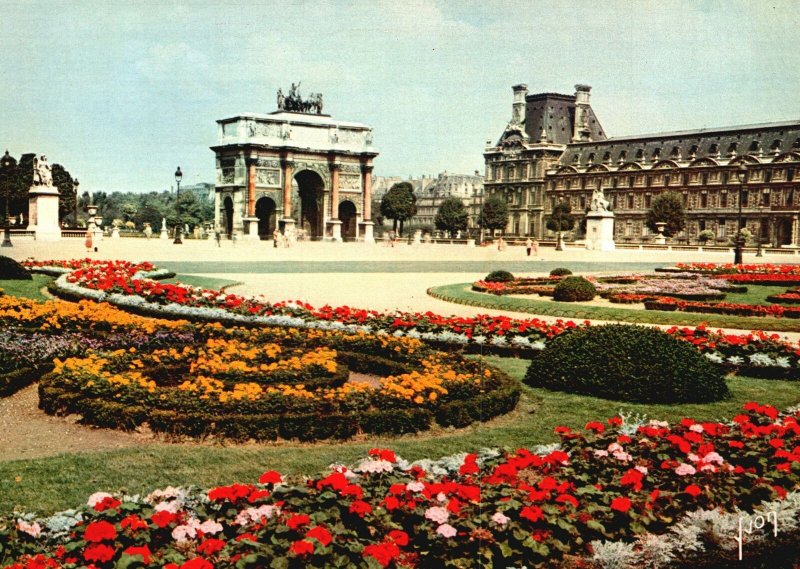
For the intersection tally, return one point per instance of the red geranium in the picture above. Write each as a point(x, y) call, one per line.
point(100, 531)
point(98, 552)
point(320, 534)
point(302, 547)
point(621, 504)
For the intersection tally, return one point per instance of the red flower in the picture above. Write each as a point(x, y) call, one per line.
point(270, 477)
point(470, 465)
point(595, 426)
point(298, 520)
point(615, 421)
point(400, 537)
point(383, 454)
point(621, 504)
point(567, 499)
point(163, 518)
point(360, 508)
point(133, 522)
point(632, 478)
point(197, 563)
point(142, 550)
point(383, 553)
point(98, 552)
point(532, 513)
point(210, 546)
point(391, 503)
point(736, 444)
point(693, 490)
point(100, 531)
point(302, 547)
point(107, 503)
point(320, 534)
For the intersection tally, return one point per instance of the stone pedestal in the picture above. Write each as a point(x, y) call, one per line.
point(600, 231)
point(367, 230)
point(470, 243)
point(417, 237)
point(43, 213)
point(164, 234)
point(115, 233)
point(252, 228)
point(289, 229)
point(335, 226)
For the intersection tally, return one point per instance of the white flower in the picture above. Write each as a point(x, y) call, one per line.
point(97, 497)
point(642, 469)
point(713, 457)
point(375, 466)
point(33, 530)
point(499, 341)
point(539, 345)
point(685, 469)
point(479, 339)
point(210, 527)
point(171, 506)
point(697, 428)
point(437, 514)
point(500, 518)
point(415, 486)
point(714, 357)
point(735, 360)
point(761, 360)
point(600, 453)
point(783, 361)
point(446, 530)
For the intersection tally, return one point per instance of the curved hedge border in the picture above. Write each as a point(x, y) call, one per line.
point(112, 395)
point(459, 293)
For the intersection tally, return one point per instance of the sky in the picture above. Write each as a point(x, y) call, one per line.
point(121, 92)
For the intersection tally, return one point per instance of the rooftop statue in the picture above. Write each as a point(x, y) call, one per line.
point(294, 102)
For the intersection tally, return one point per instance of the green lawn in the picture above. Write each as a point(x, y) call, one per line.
point(202, 282)
point(27, 289)
point(461, 293)
point(51, 484)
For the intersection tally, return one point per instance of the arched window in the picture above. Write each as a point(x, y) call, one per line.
point(639, 155)
point(606, 157)
point(656, 155)
point(692, 151)
point(676, 153)
point(622, 156)
point(590, 160)
point(732, 148)
point(713, 150)
point(755, 146)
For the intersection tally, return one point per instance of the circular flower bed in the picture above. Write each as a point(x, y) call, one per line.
point(278, 382)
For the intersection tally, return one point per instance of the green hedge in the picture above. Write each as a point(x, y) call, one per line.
point(627, 363)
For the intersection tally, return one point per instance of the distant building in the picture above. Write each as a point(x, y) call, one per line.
point(555, 149)
point(203, 190)
point(382, 184)
point(468, 188)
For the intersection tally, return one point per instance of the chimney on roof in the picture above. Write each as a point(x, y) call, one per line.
point(581, 131)
point(518, 109)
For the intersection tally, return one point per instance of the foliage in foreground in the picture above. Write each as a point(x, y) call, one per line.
point(611, 489)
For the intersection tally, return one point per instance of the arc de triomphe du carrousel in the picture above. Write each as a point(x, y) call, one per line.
point(296, 169)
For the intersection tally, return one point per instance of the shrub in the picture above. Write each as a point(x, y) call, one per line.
point(560, 272)
point(627, 363)
point(574, 289)
point(499, 277)
point(10, 270)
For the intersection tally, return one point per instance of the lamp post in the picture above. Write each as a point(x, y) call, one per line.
point(480, 217)
point(178, 178)
point(6, 163)
point(76, 184)
point(741, 174)
point(559, 220)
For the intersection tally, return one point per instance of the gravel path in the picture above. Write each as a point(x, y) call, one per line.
point(27, 432)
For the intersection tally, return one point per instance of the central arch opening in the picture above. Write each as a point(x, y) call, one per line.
point(311, 189)
point(347, 215)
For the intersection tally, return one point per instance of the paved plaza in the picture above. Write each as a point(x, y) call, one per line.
point(363, 275)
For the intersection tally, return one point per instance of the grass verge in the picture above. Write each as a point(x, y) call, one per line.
point(461, 293)
point(202, 282)
point(27, 289)
point(50, 484)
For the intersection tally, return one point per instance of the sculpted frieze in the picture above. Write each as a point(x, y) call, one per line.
point(349, 182)
point(267, 177)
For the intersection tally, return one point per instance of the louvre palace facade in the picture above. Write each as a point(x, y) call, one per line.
point(554, 148)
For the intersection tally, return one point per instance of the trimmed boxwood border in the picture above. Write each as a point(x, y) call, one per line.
point(18, 379)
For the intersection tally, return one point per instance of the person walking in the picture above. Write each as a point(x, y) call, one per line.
point(528, 245)
point(218, 238)
point(88, 240)
point(535, 247)
point(276, 236)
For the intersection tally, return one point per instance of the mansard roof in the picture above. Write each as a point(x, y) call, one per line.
point(764, 141)
point(555, 113)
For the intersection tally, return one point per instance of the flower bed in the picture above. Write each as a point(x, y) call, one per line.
point(271, 382)
point(634, 492)
point(484, 333)
point(737, 309)
point(730, 268)
point(791, 296)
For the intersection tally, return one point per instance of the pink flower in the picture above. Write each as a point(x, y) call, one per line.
point(437, 514)
point(697, 428)
point(500, 518)
point(685, 469)
point(446, 530)
point(713, 457)
point(33, 530)
point(600, 453)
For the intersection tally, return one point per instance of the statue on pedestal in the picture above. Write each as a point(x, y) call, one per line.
point(42, 172)
point(599, 203)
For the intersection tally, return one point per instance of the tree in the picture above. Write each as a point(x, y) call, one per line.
point(561, 219)
point(667, 208)
point(399, 204)
point(451, 216)
point(494, 213)
point(63, 181)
